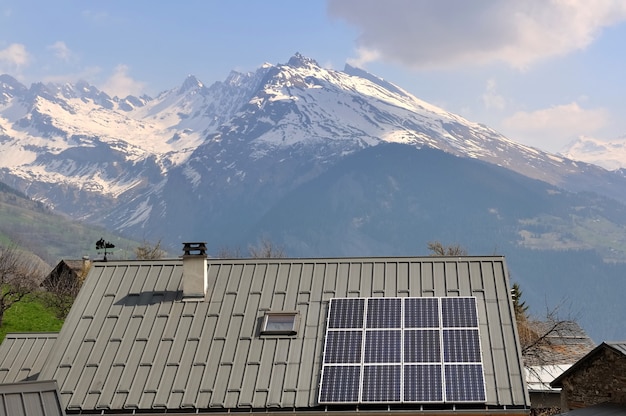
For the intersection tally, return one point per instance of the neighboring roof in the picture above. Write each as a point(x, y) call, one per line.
point(619, 347)
point(35, 398)
point(22, 355)
point(539, 377)
point(64, 269)
point(565, 344)
point(602, 409)
point(562, 347)
point(131, 342)
point(76, 265)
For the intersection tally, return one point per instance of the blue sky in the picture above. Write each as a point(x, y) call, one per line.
point(542, 72)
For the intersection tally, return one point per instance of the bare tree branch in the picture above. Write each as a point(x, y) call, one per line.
point(149, 251)
point(438, 249)
point(18, 277)
point(266, 249)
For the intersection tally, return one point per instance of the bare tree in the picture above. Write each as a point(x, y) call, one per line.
point(436, 248)
point(265, 249)
point(18, 277)
point(541, 339)
point(226, 252)
point(149, 251)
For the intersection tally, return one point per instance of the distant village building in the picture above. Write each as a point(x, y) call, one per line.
point(67, 273)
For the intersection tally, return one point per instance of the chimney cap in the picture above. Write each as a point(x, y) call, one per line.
point(194, 249)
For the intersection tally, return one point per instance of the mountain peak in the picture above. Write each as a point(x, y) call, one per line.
point(299, 60)
point(9, 87)
point(191, 83)
point(608, 154)
point(8, 80)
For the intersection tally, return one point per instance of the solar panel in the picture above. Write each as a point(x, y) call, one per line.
point(402, 350)
point(347, 313)
point(421, 313)
point(464, 383)
point(384, 313)
point(340, 384)
point(381, 383)
point(459, 312)
point(422, 383)
point(461, 346)
point(343, 347)
point(422, 346)
point(383, 346)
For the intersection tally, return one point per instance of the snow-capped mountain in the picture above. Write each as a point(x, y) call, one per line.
point(324, 162)
point(610, 155)
point(119, 161)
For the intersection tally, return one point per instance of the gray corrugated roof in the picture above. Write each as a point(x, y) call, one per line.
point(36, 398)
point(618, 346)
point(22, 355)
point(131, 342)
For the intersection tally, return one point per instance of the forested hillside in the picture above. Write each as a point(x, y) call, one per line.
point(49, 236)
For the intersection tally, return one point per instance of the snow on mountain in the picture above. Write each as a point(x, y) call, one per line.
point(127, 150)
point(302, 151)
point(610, 155)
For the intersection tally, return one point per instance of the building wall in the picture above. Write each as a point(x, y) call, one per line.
point(598, 380)
point(545, 399)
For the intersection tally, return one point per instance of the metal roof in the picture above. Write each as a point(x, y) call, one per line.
point(22, 355)
point(539, 377)
point(618, 346)
point(35, 398)
point(132, 342)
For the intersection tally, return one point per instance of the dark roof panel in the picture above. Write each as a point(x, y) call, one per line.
point(35, 398)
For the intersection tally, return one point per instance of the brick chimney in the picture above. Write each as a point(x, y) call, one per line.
point(195, 283)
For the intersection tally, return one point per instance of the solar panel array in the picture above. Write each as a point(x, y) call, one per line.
point(402, 350)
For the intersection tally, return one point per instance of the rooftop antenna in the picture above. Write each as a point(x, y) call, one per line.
point(104, 245)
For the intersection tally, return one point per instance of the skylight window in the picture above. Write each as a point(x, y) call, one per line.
point(280, 323)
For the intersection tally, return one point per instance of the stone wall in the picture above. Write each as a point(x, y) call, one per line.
point(599, 379)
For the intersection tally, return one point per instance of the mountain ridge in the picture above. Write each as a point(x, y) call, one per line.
point(110, 150)
point(326, 162)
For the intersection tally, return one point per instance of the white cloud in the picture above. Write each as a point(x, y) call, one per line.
point(553, 127)
point(491, 98)
point(14, 57)
point(121, 84)
point(364, 56)
point(449, 33)
point(61, 51)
